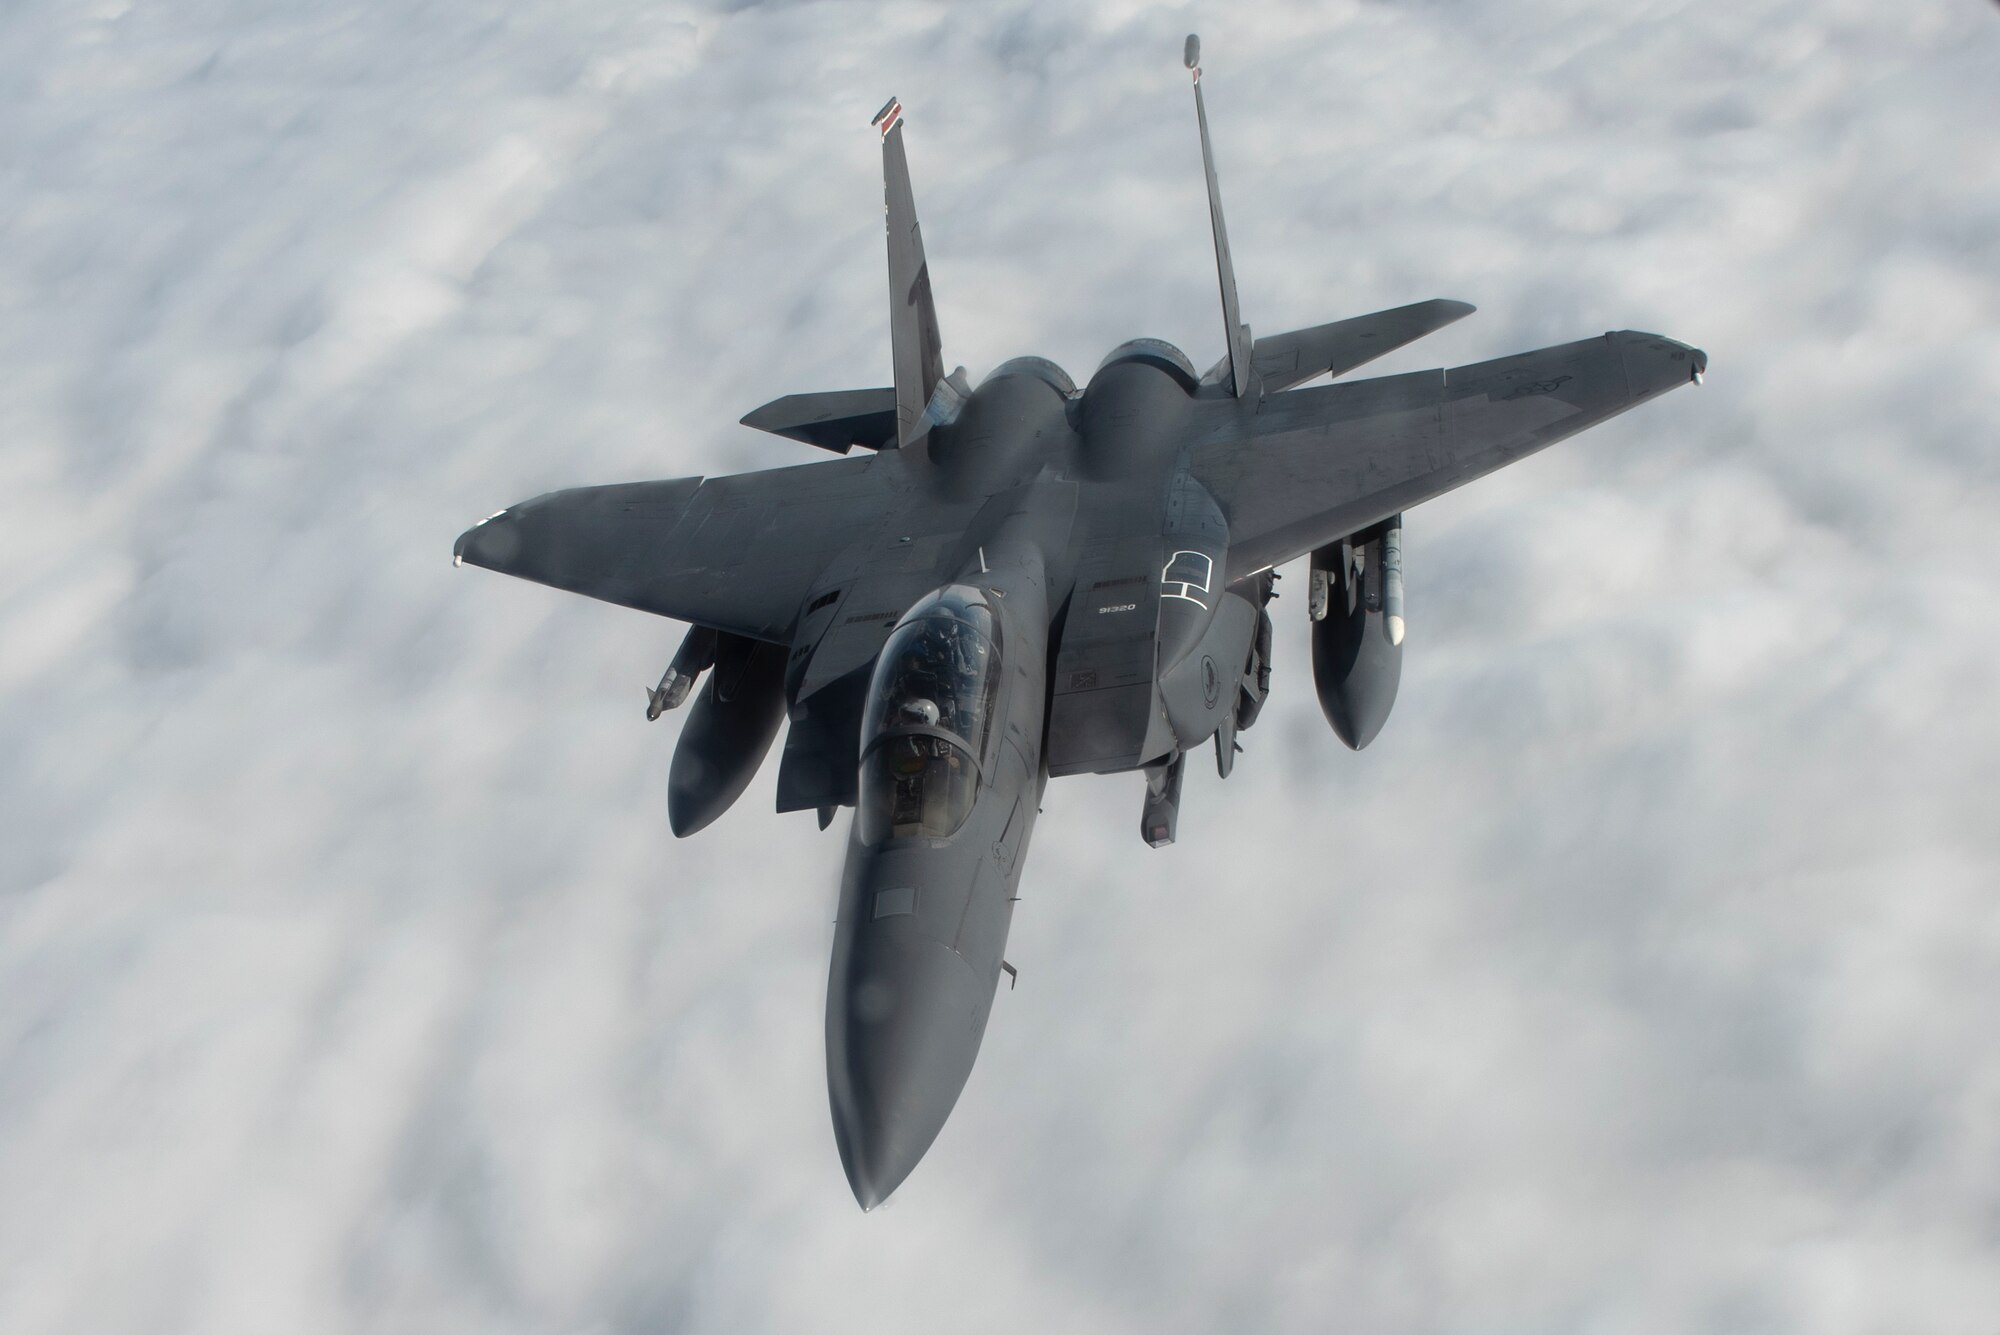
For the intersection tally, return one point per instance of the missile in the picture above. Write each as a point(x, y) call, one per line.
point(1392, 580)
point(695, 656)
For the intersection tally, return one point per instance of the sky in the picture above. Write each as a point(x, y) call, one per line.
point(1641, 977)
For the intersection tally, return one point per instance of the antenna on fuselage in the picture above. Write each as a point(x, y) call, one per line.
point(1234, 330)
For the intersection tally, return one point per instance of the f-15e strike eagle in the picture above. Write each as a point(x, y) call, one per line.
point(1027, 580)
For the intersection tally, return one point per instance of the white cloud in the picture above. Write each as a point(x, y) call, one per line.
point(1637, 978)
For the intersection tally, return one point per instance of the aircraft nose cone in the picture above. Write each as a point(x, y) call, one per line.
point(903, 1022)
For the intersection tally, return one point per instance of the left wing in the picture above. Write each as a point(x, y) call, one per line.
point(737, 553)
point(1300, 469)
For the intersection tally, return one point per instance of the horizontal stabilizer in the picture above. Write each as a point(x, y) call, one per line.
point(836, 420)
point(1284, 360)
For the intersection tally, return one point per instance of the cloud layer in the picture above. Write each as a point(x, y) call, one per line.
point(1639, 978)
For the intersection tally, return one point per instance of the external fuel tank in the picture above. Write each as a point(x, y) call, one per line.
point(1356, 603)
point(729, 731)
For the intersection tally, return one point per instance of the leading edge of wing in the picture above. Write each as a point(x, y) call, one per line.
point(1305, 467)
point(737, 553)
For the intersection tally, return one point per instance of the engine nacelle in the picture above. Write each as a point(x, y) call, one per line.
point(729, 731)
point(1002, 433)
point(1356, 604)
point(1134, 408)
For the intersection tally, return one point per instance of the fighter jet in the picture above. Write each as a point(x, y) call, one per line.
point(1024, 580)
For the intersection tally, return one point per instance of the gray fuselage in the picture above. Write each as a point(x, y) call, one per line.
point(924, 913)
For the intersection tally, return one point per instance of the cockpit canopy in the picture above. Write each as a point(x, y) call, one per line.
point(926, 731)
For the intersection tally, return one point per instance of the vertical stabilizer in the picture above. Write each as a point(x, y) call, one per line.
point(913, 328)
point(1234, 330)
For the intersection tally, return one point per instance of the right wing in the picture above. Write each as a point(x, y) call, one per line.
point(1303, 468)
point(737, 553)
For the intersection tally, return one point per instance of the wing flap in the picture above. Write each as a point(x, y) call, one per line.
point(736, 553)
point(1311, 465)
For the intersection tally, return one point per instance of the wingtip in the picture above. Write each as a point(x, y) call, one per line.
point(1664, 362)
point(465, 540)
